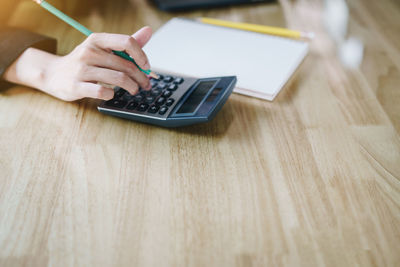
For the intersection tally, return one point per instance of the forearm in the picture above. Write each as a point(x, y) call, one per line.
point(30, 68)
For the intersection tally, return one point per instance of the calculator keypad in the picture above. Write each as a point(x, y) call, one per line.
point(156, 101)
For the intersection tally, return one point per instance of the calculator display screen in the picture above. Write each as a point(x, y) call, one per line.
point(195, 97)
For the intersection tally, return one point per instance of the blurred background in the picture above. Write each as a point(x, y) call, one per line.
point(134, 13)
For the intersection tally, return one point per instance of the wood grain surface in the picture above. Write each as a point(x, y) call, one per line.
point(311, 179)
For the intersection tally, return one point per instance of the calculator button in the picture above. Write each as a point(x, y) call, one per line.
point(160, 101)
point(156, 92)
point(160, 77)
point(167, 94)
point(132, 105)
point(143, 107)
point(153, 109)
point(178, 80)
point(138, 98)
point(120, 93)
point(163, 110)
point(168, 79)
point(116, 103)
point(144, 93)
point(172, 87)
point(149, 99)
point(153, 82)
point(170, 102)
point(161, 85)
point(128, 97)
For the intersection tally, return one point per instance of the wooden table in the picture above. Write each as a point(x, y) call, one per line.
point(311, 179)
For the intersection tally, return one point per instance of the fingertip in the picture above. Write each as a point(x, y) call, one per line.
point(108, 94)
point(133, 92)
point(143, 35)
point(147, 87)
point(146, 29)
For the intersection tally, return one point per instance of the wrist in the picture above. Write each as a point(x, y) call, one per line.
point(31, 68)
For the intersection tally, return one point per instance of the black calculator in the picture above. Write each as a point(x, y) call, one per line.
point(172, 101)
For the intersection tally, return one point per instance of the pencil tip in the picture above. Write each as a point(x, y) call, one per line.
point(153, 75)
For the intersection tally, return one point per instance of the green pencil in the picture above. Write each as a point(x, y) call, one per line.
point(88, 32)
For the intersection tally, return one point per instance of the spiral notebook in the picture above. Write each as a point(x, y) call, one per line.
point(262, 63)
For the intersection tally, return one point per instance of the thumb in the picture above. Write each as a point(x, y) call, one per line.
point(143, 35)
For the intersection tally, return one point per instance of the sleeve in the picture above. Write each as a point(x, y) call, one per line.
point(14, 41)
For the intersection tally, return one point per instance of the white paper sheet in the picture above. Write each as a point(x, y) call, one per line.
point(262, 63)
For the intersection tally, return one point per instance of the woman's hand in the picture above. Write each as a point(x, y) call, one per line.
point(88, 69)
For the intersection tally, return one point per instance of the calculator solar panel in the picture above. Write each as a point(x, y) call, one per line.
point(172, 101)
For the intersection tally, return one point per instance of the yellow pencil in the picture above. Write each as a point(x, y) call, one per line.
point(259, 28)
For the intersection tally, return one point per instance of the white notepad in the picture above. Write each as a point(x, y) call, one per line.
point(262, 63)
